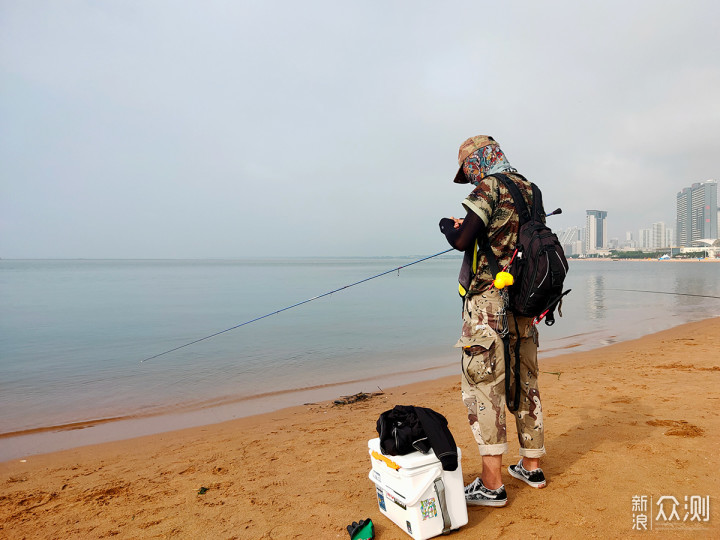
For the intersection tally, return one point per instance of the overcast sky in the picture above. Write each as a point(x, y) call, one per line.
point(173, 129)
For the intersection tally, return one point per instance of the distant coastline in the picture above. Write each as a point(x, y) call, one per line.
point(650, 259)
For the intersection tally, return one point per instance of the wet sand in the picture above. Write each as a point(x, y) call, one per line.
point(634, 418)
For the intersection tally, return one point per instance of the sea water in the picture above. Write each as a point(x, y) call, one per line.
point(74, 334)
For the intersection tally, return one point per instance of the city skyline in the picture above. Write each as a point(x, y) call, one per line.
point(670, 220)
point(697, 210)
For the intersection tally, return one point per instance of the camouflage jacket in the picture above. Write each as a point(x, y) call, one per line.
point(493, 203)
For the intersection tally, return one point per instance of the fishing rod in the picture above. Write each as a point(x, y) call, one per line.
point(665, 292)
point(299, 304)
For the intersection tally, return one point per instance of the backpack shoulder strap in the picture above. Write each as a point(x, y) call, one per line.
point(484, 247)
point(520, 204)
point(538, 209)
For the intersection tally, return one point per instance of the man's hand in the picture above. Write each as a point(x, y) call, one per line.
point(461, 233)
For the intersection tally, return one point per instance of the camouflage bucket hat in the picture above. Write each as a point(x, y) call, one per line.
point(467, 148)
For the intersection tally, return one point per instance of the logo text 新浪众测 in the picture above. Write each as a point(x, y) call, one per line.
point(667, 511)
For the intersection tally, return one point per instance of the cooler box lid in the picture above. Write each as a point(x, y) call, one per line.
point(408, 461)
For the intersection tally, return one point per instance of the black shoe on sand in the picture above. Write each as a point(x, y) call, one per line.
point(534, 478)
point(477, 494)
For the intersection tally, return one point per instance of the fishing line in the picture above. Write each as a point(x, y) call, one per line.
point(298, 304)
point(665, 292)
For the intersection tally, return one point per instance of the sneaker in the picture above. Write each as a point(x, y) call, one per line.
point(477, 494)
point(534, 478)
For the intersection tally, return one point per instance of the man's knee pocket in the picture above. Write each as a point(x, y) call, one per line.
point(482, 361)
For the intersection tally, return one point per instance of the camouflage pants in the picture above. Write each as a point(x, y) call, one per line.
point(483, 375)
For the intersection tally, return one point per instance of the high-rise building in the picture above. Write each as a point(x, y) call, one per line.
point(571, 234)
point(683, 223)
point(571, 240)
point(697, 213)
point(645, 237)
point(629, 242)
point(703, 213)
point(596, 231)
point(658, 236)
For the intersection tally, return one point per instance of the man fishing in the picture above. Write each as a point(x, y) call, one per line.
point(492, 223)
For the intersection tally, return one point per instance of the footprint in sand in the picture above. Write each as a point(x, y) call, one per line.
point(678, 428)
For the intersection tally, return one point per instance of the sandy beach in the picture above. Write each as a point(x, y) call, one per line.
point(637, 418)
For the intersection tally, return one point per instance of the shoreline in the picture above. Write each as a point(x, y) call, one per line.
point(172, 417)
point(35, 441)
point(316, 391)
point(633, 418)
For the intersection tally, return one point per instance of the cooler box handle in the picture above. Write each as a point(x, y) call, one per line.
point(440, 492)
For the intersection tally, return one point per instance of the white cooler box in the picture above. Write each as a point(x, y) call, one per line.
point(416, 493)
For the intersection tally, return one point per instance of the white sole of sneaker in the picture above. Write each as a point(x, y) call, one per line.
point(536, 485)
point(496, 504)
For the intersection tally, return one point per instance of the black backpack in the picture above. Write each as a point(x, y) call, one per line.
point(539, 265)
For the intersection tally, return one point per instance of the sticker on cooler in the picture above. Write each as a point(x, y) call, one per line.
point(381, 499)
point(428, 509)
